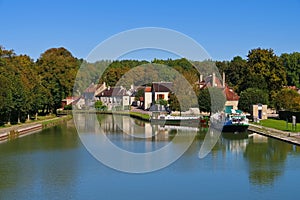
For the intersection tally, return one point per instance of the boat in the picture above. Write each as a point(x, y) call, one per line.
point(163, 119)
point(235, 121)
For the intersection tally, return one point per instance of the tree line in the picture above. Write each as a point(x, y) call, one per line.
point(31, 87)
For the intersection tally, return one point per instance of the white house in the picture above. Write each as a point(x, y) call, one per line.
point(114, 97)
point(158, 90)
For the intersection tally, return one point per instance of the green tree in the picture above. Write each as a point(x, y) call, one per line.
point(236, 72)
point(252, 96)
point(211, 100)
point(5, 99)
point(174, 103)
point(287, 99)
point(264, 67)
point(291, 63)
point(98, 104)
point(204, 100)
point(139, 93)
point(57, 68)
point(162, 102)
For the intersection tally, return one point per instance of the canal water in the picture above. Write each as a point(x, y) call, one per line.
point(54, 164)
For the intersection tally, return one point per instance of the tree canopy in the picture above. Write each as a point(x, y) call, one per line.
point(29, 87)
point(287, 99)
point(252, 96)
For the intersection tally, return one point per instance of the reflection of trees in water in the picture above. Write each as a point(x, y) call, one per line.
point(266, 160)
point(49, 158)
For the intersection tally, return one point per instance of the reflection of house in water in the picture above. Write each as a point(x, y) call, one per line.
point(237, 146)
point(256, 138)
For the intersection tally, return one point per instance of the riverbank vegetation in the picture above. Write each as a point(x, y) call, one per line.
point(31, 88)
point(279, 125)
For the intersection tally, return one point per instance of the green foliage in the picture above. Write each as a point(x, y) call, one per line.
point(174, 103)
point(162, 102)
point(140, 93)
point(57, 69)
point(291, 63)
point(262, 70)
point(287, 99)
point(235, 71)
point(204, 100)
point(99, 106)
point(264, 67)
point(68, 107)
point(252, 96)
point(116, 70)
point(211, 100)
point(29, 87)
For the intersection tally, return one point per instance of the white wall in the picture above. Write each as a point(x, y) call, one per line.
point(234, 104)
point(147, 99)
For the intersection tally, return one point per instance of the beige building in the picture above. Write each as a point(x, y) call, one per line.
point(259, 111)
point(114, 97)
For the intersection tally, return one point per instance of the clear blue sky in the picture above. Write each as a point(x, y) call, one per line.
point(224, 28)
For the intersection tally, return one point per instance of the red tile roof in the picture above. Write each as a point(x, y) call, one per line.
point(148, 89)
point(230, 94)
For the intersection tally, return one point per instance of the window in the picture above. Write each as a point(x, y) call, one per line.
point(160, 96)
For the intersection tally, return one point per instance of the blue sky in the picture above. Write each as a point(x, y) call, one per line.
point(224, 28)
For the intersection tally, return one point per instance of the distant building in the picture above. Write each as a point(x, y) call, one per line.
point(89, 95)
point(158, 90)
point(69, 101)
point(161, 90)
point(114, 97)
point(259, 112)
point(232, 98)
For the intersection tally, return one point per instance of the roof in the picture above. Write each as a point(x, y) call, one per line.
point(162, 86)
point(92, 88)
point(147, 89)
point(230, 94)
point(209, 81)
point(113, 92)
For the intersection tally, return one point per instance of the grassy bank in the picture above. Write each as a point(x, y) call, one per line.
point(55, 121)
point(39, 119)
point(137, 115)
point(278, 124)
point(141, 116)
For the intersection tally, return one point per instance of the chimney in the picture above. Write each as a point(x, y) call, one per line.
point(214, 79)
point(224, 79)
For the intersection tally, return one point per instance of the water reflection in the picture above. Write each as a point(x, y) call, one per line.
point(235, 142)
point(54, 164)
point(266, 159)
point(39, 163)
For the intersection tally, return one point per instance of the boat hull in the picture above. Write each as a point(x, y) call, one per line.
point(235, 128)
point(187, 122)
point(231, 127)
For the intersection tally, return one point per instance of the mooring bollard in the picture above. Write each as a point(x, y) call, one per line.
point(294, 123)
